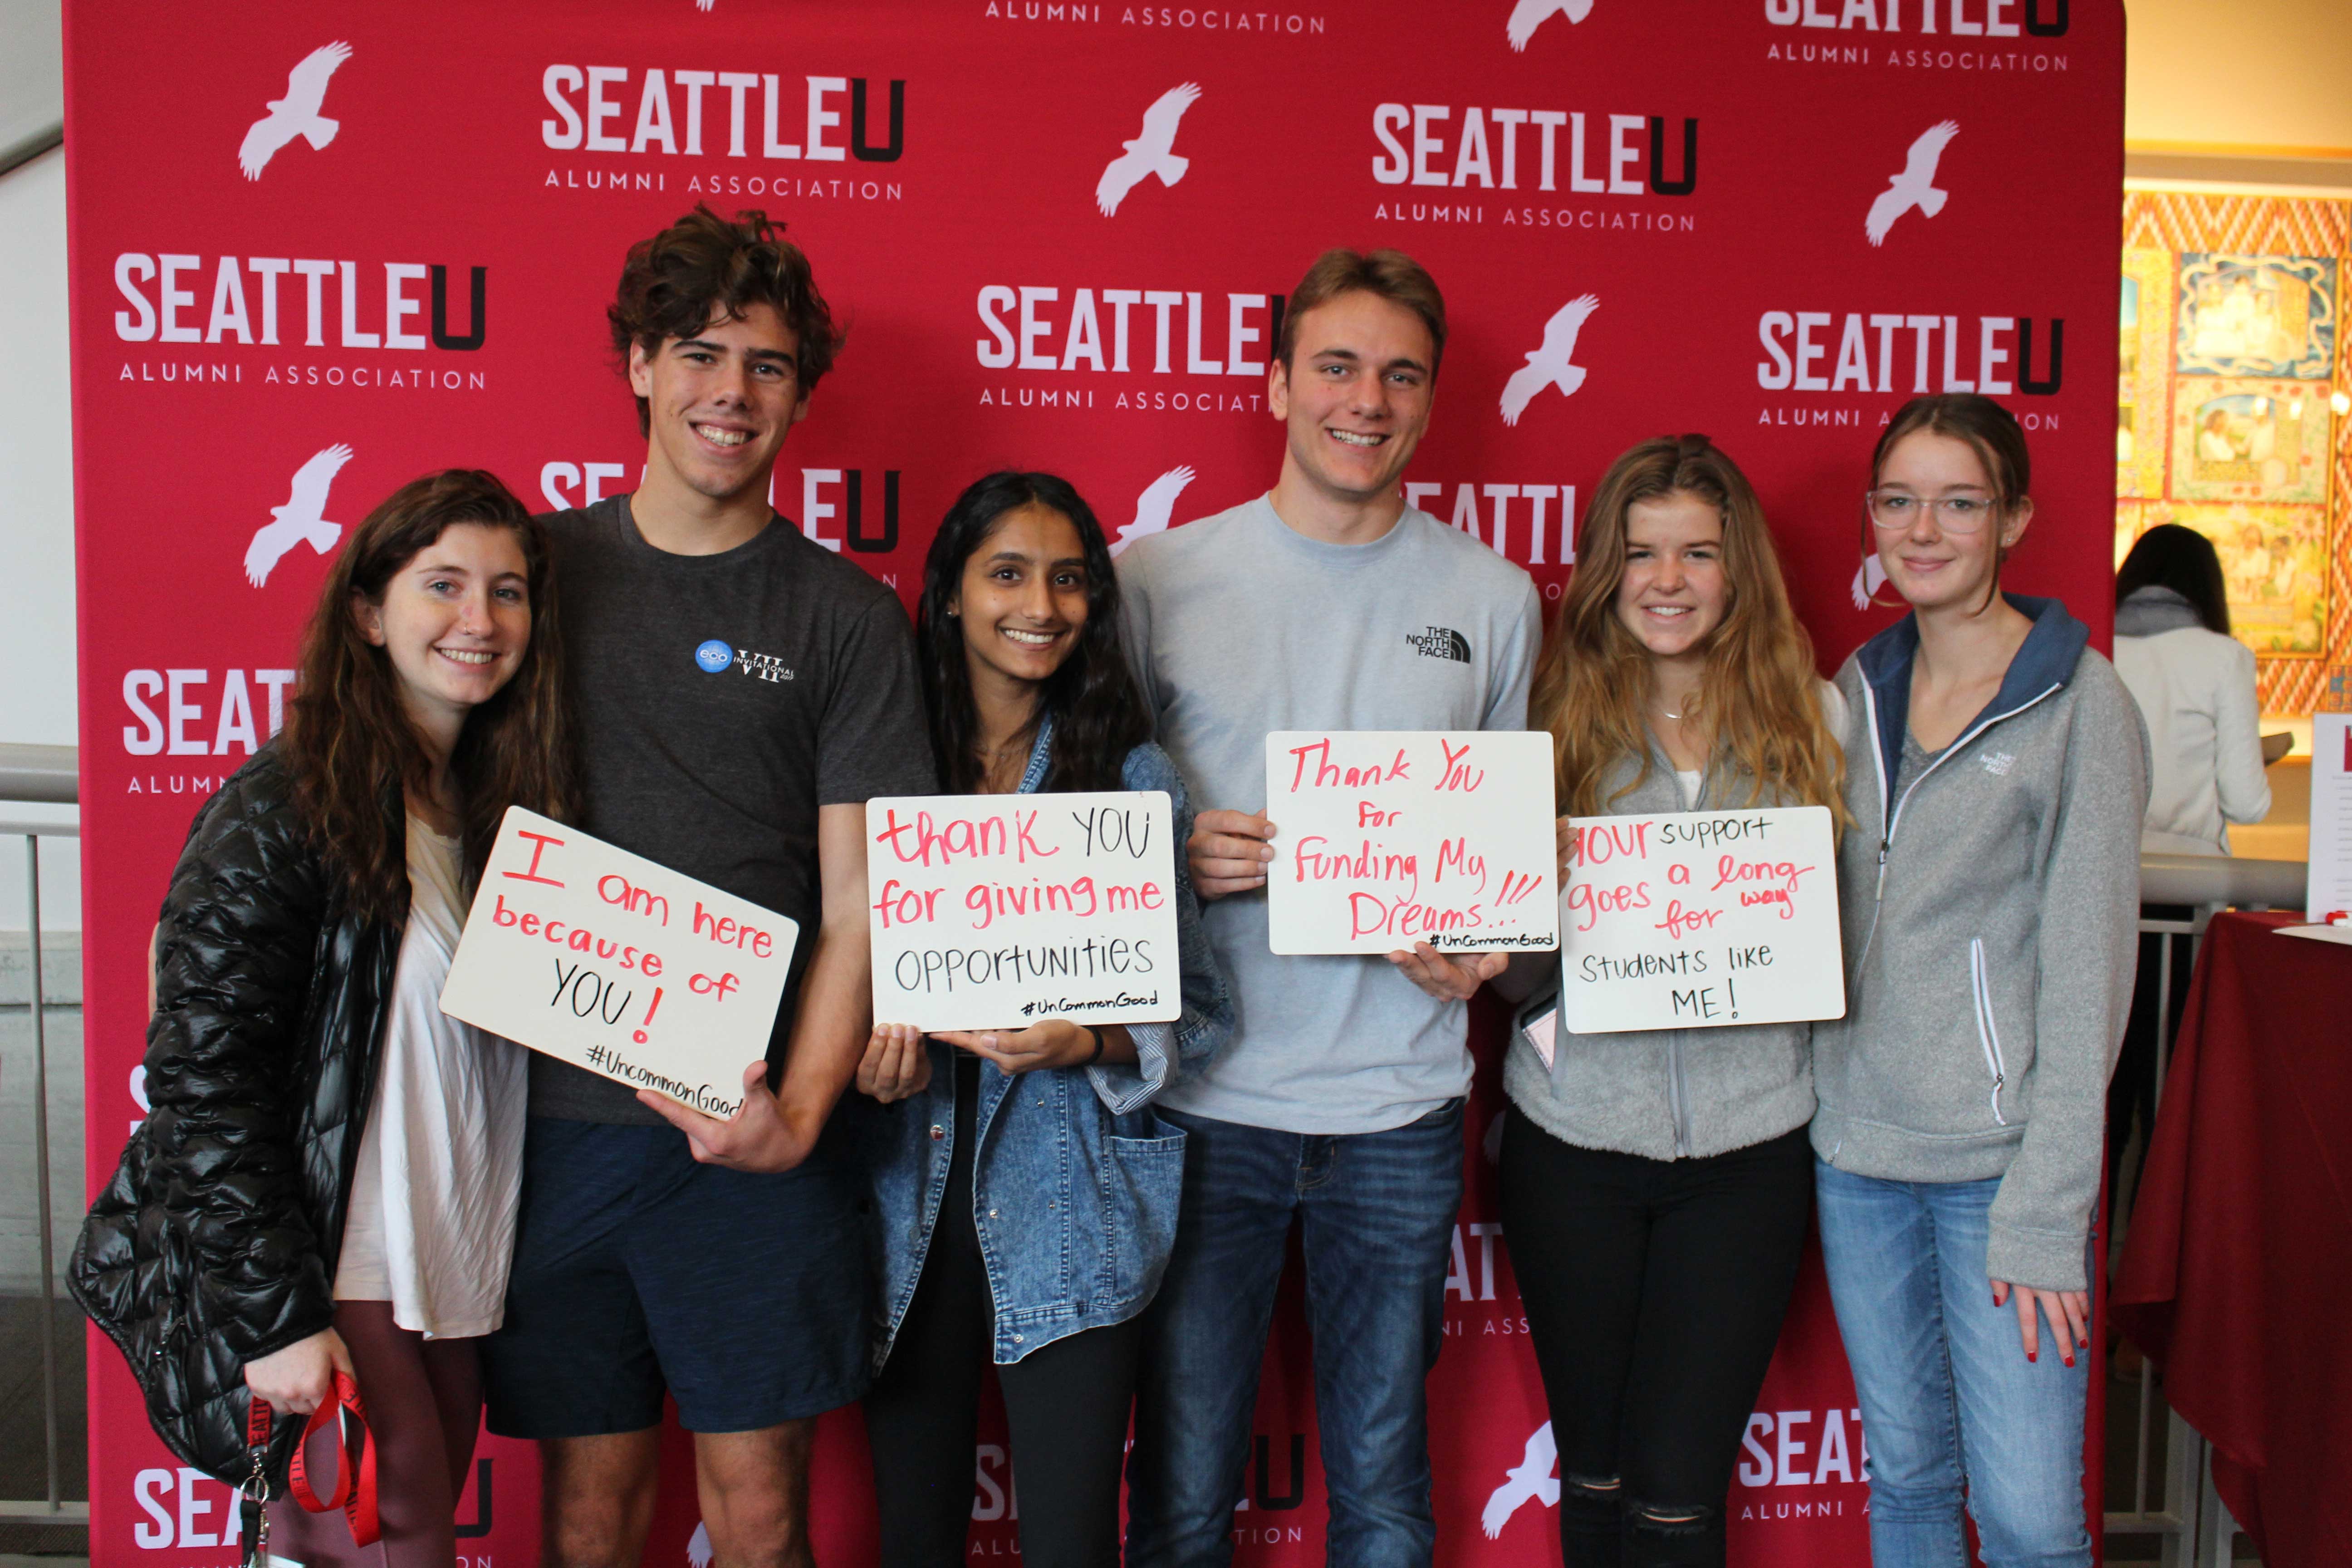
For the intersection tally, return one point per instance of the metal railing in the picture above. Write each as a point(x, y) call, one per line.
point(2193, 1525)
point(42, 776)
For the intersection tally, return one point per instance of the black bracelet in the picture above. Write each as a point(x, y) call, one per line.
point(1095, 1055)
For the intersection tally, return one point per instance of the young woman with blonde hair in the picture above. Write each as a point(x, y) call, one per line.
point(1656, 1184)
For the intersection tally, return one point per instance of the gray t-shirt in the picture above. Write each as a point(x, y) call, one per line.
point(718, 701)
point(1239, 625)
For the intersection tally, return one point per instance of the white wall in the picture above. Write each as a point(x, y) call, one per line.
point(36, 550)
point(2218, 74)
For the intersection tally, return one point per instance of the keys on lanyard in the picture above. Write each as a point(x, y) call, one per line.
point(355, 1482)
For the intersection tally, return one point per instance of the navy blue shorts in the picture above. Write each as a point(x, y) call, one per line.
point(636, 1269)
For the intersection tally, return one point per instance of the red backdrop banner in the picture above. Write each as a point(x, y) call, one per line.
point(316, 250)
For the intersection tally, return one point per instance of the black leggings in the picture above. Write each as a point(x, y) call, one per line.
point(1067, 1403)
point(1654, 1291)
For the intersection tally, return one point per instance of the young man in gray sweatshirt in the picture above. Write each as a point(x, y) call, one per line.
point(1326, 604)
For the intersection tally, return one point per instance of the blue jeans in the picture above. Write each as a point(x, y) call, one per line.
point(1377, 1212)
point(1949, 1404)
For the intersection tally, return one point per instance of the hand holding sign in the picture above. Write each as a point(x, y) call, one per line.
point(613, 963)
point(1000, 912)
point(1397, 840)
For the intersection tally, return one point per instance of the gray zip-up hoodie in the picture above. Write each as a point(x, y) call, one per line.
point(1990, 904)
point(1667, 1094)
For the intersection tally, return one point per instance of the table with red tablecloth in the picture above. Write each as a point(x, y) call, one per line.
point(2237, 1275)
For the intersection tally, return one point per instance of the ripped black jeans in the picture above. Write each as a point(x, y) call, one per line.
point(1654, 1291)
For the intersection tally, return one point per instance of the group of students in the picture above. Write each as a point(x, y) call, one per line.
point(335, 1179)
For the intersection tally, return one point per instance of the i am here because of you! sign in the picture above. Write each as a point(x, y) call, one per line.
point(1388, 837)
point(613, 963)
point(1702, 918)
point(996, 911)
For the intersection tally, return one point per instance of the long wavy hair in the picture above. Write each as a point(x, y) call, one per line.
point(349, 747)
point(1758, 699)
point(1096, 708)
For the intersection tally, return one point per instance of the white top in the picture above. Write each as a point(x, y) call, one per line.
point(432, 1218)
point(2195, 688)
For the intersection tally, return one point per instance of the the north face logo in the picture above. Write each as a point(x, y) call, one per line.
point(1441, 642)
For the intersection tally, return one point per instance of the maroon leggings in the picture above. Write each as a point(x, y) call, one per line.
point(424, 1401)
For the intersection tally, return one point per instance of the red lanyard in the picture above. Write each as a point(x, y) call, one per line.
point(355, 1488)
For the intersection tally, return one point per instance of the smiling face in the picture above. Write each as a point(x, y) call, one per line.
point(1932, 567)
point(1356, 396)
point(456, 621)
point(1022, 599)
point(719, 403)
point(1675, 593)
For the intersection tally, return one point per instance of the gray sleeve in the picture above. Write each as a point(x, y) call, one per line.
point(2041, 1217)
point(1515, 663)
point(1169, 1053)
point(1135, 627)
point(871, 740)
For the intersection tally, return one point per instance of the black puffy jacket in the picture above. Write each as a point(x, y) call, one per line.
point(215, 1242)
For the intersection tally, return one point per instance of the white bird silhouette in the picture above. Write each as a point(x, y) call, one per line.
point(1548, 367)
point(1531, 1479)
point(698, 1550)
point(303, 517)
point(1151, 151)
point(1868, 579)
point(1529, 14)
point(297, 113)
point(1153, 508)
point(1915, 186)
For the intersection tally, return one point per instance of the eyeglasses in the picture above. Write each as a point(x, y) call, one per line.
point(1897, 510)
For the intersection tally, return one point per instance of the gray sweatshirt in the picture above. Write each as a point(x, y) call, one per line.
point(1990, 902)
point(1667, 1094)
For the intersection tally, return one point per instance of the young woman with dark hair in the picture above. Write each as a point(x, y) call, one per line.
point(325, 1184)
point(1025, 1198)
point(1998, 773)
point(2195, 686)
point(1656, 1184)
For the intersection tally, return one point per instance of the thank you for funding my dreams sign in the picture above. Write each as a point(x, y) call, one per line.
point(613, 963)
point(1383, 838)
point(1702, 919)
point(996, 911)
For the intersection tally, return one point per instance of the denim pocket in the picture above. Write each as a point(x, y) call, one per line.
point(1143, 1183)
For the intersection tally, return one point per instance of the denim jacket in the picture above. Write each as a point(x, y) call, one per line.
point(1074, 1182)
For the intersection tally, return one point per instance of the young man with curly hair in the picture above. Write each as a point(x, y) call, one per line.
point(739, 692)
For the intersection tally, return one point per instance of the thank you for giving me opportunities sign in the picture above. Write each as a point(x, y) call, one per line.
point(996, 911)
point(1388, 837)
point(1700, 918)
point(613, 963)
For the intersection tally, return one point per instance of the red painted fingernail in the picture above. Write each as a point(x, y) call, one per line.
point(2070, 1361)
point(2031, 1356)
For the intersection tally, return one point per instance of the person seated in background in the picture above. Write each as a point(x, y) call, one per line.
point(328, 1183)
point(2195, 686)
point(1027, 690)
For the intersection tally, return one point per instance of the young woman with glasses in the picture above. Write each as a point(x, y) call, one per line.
point(1997, 771)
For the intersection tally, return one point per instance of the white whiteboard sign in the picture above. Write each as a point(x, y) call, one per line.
point(995, 911)
point(2329, 881)
point(1700, 919)
point(613, 963)
point(1388, 837)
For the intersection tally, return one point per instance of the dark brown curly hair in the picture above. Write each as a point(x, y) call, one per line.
point(702, 267)
point(348, 748)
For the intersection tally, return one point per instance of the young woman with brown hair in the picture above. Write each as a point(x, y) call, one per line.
point(1989, 895)
point(327, 1181)
point(1655, 1185)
